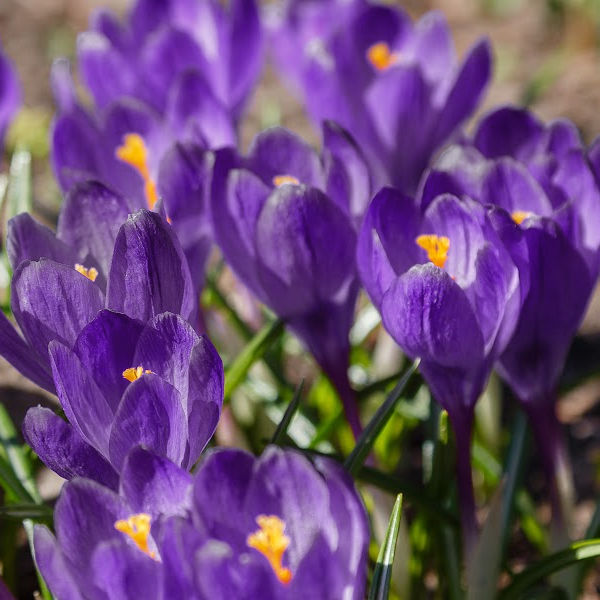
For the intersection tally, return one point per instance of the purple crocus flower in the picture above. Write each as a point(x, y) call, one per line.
point(125, 383)
point(143, 56)
point(165, 536)
point(396, 86)
point(62, 281)
point(540, 176)
point(285, 224)
point(160, 162)
point(10, 94)
point(448, 292)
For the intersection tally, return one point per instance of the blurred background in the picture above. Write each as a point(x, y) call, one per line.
point(547, 56)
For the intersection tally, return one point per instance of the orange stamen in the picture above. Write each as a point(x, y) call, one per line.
point(280, 180)
point(380, 57)
point(436, 247)
point(137, 527)
point(134, 373)
point(520, 215)
point(135, 154)
point(90, 273)
point(271, 541)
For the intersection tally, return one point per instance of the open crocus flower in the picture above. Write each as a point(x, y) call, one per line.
point(10, 94)
point(448, 292)
point(62, 281)
point(125, 383)
point(159, 162)
point(166, 537)
point(541, 177)
point(286, 226)
point(395, 86)
point(143, 56)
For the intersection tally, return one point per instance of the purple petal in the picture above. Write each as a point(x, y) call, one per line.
point(151, 415)
point(278, 151)
point(84, 404)
point(19, 354)
point(220, 489)
point(89, 221)
point(346, 170)
point(52, 302)
point(429, 316)
point(10, 95)
point(386, 245)
point(205, 399)
point(149, 273)
point(52, 565)
point(234, 222)
point(84, 517)
point(509, 131)
point(106, 348)
point(467, 91)
point(103, 69)
point(154, 485)
point(62, 449)
point(197, 114)
point(123, 572)
point(306, 246)
point(74, 140)
point(29, 240)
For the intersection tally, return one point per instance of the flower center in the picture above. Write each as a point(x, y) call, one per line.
point(436, 247)
point(134, 373)
point(137, 527)
point(280, 180)
point(520, 215)
point(90, 273)
point(271, 542)
point(380, 56)
point(135, 154)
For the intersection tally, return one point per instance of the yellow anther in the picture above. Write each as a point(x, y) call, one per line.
point(137, 527)
point(134, 373)
point(271, 542)
point(520, 215)
point(135, 154)
point(436, 247)
point(90, 273)
point(380, 57)
point(280, 180)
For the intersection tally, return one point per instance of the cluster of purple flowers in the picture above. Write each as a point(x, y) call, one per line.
point(483, 255)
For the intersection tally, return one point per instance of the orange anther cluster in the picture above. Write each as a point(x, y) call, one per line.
point(520, 215)
point(380, 56)
point(137, 527)
point(134, 153)
point(134, 373)
point(90, 273)
point(280, 180)
point(271, 541)
point(436, 247)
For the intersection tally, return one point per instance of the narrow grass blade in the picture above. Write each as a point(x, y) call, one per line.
point(18, 512)
point(380, 586)
point(254, 351)
point(576, 552)
point(373, 429)
point(290, 411)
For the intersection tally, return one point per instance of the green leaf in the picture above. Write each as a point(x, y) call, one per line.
point(254, 351)
point(37, 512)
point(11, 483)
point(19, 185)
point(290, 411)
point(16, 459)
point(44, 591)
point(373, 429)
point(576, 552)
point(380, 586)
